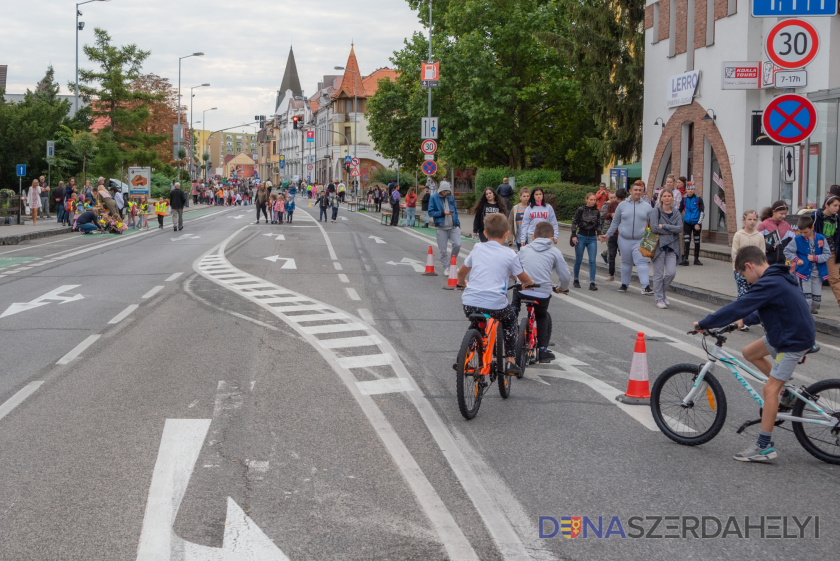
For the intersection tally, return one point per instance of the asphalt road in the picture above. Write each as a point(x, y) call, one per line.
point(268, 392)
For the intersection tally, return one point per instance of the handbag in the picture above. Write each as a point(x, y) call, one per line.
point(647, 247)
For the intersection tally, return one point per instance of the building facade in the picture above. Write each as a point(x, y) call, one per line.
point(223, 146)
point(709, 136)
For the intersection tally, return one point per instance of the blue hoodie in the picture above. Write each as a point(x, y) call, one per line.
point(436, 210)
point(777, 302)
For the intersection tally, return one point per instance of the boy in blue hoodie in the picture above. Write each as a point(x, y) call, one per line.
point(775, 300)
point(808, 254)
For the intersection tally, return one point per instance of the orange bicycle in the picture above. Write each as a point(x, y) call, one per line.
point(480, 363)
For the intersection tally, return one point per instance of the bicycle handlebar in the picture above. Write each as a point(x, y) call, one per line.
point(717, 332)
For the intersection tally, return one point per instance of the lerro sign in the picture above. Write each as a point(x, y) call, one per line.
point(681, 88)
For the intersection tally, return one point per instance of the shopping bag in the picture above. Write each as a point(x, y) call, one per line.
point(647, 247)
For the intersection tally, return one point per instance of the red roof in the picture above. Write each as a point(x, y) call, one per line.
point(371, 83)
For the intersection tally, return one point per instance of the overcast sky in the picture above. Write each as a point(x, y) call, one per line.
point(246, 43)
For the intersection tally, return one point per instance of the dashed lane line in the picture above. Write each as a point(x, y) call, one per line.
point(123, 314)
point(78, 350)
point(9, 405)
point(152, 292)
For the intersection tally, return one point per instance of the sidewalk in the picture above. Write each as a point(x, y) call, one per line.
point(712, 282)
point(16, 233)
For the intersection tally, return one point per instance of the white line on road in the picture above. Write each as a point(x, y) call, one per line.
point(152, 292)
point(365, 314)
point(386, 385)
point(351, 292)
point(337, 265)
point(123, 314)
point(347, 342)
point(80, 348)
point(366, 361)
point(18, 398)
point(343, 278)
point(173, 276)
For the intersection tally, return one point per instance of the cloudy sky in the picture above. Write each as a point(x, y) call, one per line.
point(246, 43)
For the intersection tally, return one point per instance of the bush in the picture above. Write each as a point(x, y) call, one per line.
point(384, 176)
point(492, 177)
point(564, 197)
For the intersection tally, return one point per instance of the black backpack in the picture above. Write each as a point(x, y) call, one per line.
point(774, 248)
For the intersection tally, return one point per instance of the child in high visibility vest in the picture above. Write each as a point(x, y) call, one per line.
point(80, 208)
point(160, 211)
point(70, 208)
point(143, 212)
point(131, 213)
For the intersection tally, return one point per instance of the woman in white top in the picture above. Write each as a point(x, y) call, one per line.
point(746, 236)
point(538, 211)
point(33, 197)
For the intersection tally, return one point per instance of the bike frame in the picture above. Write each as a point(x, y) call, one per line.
point(720, 354)
point(532, 327)
point(488, 342)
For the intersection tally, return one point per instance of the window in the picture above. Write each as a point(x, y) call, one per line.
point(655, 32)
point(672, 28)
point(710, 23)
point(732, 7)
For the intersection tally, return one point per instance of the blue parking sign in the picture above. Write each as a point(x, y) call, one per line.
point(21, 170)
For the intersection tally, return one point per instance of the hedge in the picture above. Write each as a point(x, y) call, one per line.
point(492, 177)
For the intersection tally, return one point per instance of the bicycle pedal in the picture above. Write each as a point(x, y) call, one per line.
point(747, 424)
point(455, 366)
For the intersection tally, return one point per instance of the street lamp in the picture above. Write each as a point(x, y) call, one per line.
point(179, 103)
point(191, 124)
point(355, 111)
point(204, 124)
point(79, 27)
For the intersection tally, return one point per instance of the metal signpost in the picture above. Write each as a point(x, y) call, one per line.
point(20, 169)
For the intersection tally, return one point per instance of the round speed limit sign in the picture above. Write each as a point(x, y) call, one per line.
point(429, 146)
point(792, 43)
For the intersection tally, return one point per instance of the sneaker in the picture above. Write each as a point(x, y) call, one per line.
point(646, 291)
point(592, 286)
point(661, 304)
point(611, 278)
point(576, 284)
point(546, 356)
point(622, 288)
point(756, 454)
point(814, 312)
point(604, 257)
point(512, 368)
point(667, 302)
point(745, 328)
point(697, 262)
point(684, 263)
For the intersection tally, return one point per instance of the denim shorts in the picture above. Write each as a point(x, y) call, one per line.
point(783, 363)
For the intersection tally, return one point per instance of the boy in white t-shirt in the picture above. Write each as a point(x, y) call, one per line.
point(490, 266)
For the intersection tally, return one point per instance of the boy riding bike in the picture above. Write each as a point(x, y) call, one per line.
point(490, 265)
point(539, 258)
point(775, 300)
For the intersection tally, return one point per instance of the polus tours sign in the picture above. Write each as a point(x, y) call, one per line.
point(682, 88)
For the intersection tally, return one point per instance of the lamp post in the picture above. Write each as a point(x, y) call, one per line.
point(204, 126)
point(355, 111)
point(179, 102)
point(191, 124)
point(78, 13)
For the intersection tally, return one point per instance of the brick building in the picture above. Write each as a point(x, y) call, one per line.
point(708, 137)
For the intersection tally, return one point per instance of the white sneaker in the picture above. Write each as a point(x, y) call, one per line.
point(661, 304)
point(611, 278)
point(667, 302)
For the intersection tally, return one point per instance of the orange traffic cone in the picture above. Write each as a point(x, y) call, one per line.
point(430, 264)
point(452, 284)
point(638, 387)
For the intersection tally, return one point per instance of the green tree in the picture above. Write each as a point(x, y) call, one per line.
point(84, 143)
point(123, 109)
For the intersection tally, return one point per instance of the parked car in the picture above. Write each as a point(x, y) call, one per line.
point(118, 185)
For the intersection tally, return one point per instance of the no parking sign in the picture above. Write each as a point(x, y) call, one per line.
point(789, 119)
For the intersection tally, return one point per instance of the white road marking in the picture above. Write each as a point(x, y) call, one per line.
point(346, 342)
point(334, 328)
point(173, 276)
point(337, 265)
point(343, 278)
point(52, 295)
point(676, 425)
point(152, 292)
point(288, 262)
point(684, 303)
point(365, 314)
point(123, 314)
point(351, 292)
point(318, 317)
point(79, 349)
point(299, 308)
point(386, 385)
point(180, 446)
point(377, 239)
point(365, 361)
point(416, 265)
point(18, 398)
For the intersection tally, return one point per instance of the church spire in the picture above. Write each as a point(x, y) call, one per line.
point(290, 77)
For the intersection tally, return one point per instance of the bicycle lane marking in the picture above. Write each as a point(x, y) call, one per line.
point(215, 267)
point(495, 513)
point(501, 512)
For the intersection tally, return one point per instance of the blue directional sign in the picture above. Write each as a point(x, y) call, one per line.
point(21, 170)
point(347, 159)
point(792, 8)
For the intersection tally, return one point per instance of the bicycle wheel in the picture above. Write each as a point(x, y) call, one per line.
point(505, 381)
point(523, 352)
point(468, 374)
point(820, 441)
point(696, 423)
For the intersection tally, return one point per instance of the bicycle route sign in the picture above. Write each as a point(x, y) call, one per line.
point(429, 167)
point(792, 43)
point(778, 8)
point(789, 119)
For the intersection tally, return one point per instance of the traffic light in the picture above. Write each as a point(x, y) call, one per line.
point(296, 121)
point(261, 119)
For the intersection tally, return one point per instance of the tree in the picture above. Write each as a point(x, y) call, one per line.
point(505, 97)
point(121, 109)
point(162, 110)
point(47, 89)
point(84, 143)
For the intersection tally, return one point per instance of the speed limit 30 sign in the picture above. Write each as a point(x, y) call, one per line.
point(792, 43)
point(429, 146)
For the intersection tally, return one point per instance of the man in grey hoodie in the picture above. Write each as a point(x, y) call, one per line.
point(630, 220)
point(539, 259)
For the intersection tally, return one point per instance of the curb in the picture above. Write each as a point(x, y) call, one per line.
point(825, 326)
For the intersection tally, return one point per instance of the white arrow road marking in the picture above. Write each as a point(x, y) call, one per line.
point(179, 449)
point(289, 263)
point(185, 237)
point(418, 266)
point(53, 295)
point(342, 218)
point(571, 372)
point(237, 217)
point(377, 239)
point(279, 238)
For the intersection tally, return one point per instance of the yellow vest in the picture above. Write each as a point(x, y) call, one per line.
point(160, 208)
